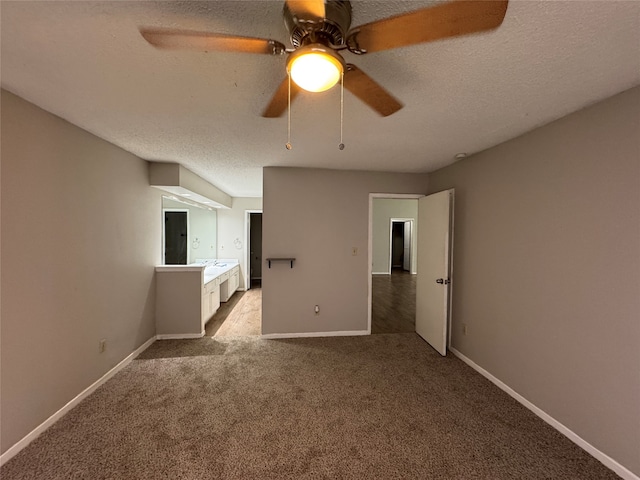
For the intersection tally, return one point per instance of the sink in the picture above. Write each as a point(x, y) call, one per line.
point(214, 269)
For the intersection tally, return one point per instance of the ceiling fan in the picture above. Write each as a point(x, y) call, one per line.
point(320, 31)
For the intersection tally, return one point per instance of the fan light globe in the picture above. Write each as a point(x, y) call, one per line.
point(315, 69)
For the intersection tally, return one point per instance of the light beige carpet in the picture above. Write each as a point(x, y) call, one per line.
point(382, 406)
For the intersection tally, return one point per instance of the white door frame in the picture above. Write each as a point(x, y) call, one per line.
point(391, 220)
point(164, 245)
point(247, 247)
point(451, 243)
point(370, 244)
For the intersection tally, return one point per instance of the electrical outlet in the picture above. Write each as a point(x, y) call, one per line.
point(102, 345)
point(354, 251)
point(316, 309)
point(464, 328)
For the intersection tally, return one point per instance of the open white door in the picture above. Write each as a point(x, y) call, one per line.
point(433, 283)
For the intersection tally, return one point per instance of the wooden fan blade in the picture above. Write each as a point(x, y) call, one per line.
point(370, 92)
point(307, 9)
point(278, 104)
point(459, 17)
point(206, 42)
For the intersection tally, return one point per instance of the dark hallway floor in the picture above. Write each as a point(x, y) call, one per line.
point(393, 308)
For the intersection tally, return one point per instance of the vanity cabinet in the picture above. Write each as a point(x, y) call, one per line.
point(187, 296)
point(230, 284)
point(210, 300)
point(234, 280)
point(179, 302)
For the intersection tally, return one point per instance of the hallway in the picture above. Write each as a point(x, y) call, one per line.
point(393, 307)
point(240, 316)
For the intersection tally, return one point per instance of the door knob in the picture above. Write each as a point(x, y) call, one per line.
point(444, 281)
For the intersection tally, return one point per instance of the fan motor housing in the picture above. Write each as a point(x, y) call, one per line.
point(331, 29)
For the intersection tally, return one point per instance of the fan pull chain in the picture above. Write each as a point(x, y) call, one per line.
point(288, 144)
point(341, 146)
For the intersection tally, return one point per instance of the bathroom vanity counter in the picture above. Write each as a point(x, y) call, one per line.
point(212, 272)
point(187, 296)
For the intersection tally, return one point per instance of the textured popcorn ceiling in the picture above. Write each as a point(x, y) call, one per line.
point(87, 63)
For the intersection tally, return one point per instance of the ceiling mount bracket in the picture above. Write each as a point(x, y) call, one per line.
point(333, 27)
point(277, 48)
point(352, 43)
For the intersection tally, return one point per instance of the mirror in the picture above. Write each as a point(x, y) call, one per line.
point(189, 232)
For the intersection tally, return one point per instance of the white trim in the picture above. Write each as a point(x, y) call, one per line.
point(30, 437)
point(575, 438)
point(179, 336)
point(344, 333)
point(397, 195)
point(180, 268)
point(450, 243)
point(370, 264)
point(380, 273)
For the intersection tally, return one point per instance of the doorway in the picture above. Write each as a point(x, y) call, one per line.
point(401, 244)
point(430, 305)
point(253, 252)
point(392, 275)
point(397, 245)
point(175, 234)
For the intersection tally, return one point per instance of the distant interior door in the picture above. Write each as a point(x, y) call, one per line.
point(255, 247)
point(175, 237)
point(397, 245)
point(433, 286)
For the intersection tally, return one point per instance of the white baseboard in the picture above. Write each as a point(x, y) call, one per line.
point(605, 459)
point(179, 336)
point(347, 333)
point(30, 437)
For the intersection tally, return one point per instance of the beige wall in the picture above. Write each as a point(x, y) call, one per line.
point(384, 209)
point(80, 238)
point(231, 226)
point(179, 306)
point(318, 216)
point(547, 269)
